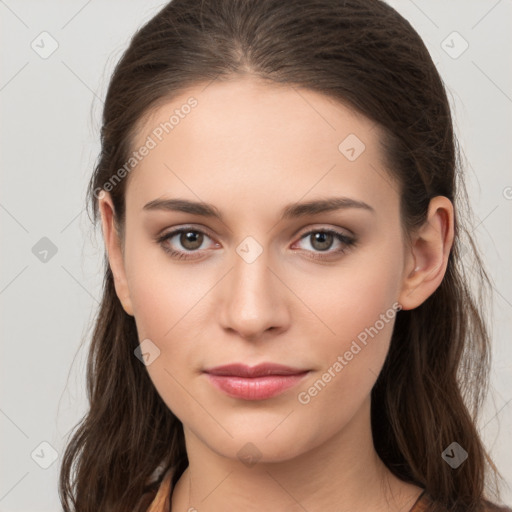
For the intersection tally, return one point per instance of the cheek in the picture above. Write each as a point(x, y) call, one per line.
point(168, 300)
point(358, 309)
point(162, 292)
point(354, 297)
point(350, 361)
point(164, 314)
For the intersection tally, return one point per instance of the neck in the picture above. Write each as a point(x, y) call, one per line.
point(342, 474)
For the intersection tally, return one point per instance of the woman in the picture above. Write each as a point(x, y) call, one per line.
point(286, 324)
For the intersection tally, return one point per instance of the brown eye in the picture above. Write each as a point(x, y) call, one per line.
point(321, 240)
point(183, 243)
point(191, 240)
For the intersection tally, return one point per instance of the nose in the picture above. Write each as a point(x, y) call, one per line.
point(253, 300)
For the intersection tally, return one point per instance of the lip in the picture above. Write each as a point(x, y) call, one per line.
point(260, 370)
point(254, 383)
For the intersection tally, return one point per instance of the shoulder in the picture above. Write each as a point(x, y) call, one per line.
point(161, 501)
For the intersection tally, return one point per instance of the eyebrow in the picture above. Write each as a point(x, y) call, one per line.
point(290, 211)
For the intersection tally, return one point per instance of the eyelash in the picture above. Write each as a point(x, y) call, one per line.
point(182, 255)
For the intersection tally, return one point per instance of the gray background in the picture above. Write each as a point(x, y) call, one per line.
point(50, 111)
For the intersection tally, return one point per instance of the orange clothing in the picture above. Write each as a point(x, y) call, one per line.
point(161, 502)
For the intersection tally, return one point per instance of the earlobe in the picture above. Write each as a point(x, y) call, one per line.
point(427, 256)
point(114, 251)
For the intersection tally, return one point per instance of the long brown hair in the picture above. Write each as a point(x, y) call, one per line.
point(365, 55)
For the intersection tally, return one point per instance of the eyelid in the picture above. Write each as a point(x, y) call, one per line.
point(192, 227)
point(325, 227)
point(300, 234)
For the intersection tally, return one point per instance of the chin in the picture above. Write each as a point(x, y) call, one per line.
point(256, 445)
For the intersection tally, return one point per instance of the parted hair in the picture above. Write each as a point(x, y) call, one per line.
point(365, 55)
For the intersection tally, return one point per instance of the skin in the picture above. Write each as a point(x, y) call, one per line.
point(250, 148)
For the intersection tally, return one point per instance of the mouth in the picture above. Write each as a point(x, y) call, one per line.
point(259, 382)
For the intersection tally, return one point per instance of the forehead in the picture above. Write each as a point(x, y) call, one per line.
point(258, 141)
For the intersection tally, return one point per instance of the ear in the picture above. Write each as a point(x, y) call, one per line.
point(114, 251)
point(427, 256)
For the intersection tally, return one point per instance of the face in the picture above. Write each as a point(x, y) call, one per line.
point(265, 282)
